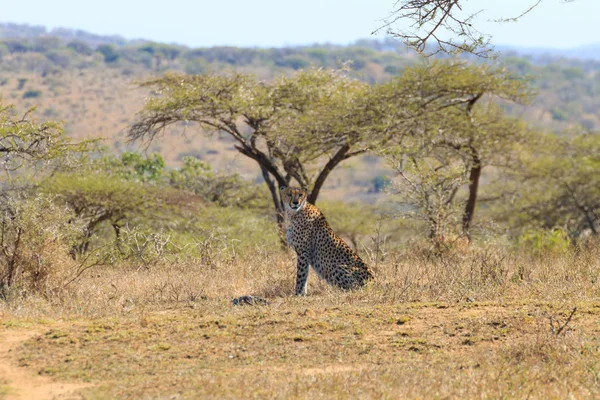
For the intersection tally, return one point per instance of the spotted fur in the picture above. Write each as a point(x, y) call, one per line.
point(316, 244)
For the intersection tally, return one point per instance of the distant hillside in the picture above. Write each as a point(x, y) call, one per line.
point(88, 82)
point(544, 55)
point(10, 30)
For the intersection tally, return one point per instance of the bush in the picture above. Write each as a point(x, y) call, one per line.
point(545, 241)
point(225, 190)
point(80, 47)
point(109, 53)
point(35, 241)
point(134, 166)
point(32, 94)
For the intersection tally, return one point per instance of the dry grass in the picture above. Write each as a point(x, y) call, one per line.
point(477, 323)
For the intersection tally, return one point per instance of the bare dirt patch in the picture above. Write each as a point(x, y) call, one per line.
point(17, 382)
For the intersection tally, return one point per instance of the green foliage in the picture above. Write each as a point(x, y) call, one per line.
point(558, 114)
point(203, 234)
point(32, 94)
point(80, 47)
point(45, 44)
point(293, 62)
point(109, 52)
point(134, 166)
point(169, 52)
point(17, 45)
point(60, 58)
point(563, 191)
point(96, 198)
point(147, 168)
point(543, 242)
point(122, 202)
point(457, 79)
point(36, 232)
point(25, 141)
point(196, 66)
point(225, 190)
point(447, 132)
point(380, 183)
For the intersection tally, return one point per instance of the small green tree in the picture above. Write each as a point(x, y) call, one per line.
point(96, 197)
point(110, 190)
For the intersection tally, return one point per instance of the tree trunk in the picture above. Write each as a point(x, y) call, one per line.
point(473, 187)
point(13, 263)
point(279, 210)
point(474, 176)
point(331, 164)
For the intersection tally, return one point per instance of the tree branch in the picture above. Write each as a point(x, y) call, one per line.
point(338, 157)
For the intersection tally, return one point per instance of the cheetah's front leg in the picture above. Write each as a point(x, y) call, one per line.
point(302, 274)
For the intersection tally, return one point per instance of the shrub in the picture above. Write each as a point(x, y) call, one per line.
point(224, 190)
point(80, 47)
point(32, 94)
point(36, 235)
point(545, 241)
point(109, 53)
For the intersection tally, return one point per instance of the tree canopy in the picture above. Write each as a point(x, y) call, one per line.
point(299, 127)
point(451, 130)
point(23, 141)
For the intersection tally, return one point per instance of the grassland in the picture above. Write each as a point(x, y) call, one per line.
point(481, 321)
point(470, 323)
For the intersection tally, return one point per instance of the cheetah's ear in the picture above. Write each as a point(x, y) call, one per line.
point(282, 187)
point(305, 188)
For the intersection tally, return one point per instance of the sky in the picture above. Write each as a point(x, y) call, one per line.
point(275, 23)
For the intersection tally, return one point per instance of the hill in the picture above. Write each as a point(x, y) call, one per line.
point(89, 82)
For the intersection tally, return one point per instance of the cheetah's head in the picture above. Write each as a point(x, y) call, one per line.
point(294, 199)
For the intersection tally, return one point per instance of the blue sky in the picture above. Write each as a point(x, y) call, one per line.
point(267, 23)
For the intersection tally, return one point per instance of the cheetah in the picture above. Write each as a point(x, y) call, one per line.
point(316, 244)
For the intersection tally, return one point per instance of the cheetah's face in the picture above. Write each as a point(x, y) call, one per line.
point(294, 199)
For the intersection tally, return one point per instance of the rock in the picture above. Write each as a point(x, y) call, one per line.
point(249, 300)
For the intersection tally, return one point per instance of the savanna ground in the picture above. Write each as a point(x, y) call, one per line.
point(467, 323)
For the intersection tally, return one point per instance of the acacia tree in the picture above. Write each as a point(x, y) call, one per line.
point(454, 121)
point(443, 25)
point(298, 127)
